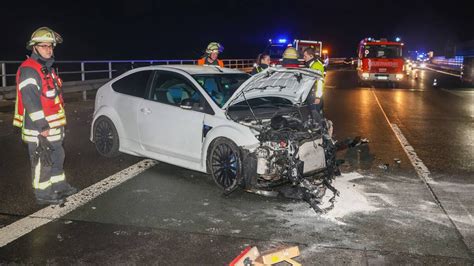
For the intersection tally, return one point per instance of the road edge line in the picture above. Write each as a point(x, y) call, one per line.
point(48, 214)
point(425, 181)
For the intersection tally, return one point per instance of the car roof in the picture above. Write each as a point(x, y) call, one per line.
point(196, 70)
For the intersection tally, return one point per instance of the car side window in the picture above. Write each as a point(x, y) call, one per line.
point(134, 84)
point(174, 89)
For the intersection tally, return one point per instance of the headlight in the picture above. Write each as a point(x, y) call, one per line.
point(422, 65)
point(399, 76)
point(365, 75)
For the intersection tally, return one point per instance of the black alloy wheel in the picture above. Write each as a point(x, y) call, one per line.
point(106, 137)
point(225, 163)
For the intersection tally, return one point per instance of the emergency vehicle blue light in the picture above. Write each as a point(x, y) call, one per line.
point(282, 40)
point(397, 39)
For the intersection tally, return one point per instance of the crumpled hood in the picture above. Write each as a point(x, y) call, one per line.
point(293, 84)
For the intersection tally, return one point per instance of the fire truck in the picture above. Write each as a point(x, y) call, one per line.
point(380, 60)
point(276, 48)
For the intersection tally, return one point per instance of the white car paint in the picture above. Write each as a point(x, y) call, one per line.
point(174, 135)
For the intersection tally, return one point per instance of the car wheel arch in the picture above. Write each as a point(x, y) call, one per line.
point(110, 114)
point(238, 137)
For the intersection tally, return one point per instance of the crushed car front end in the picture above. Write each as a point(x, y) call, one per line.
point(296, 152)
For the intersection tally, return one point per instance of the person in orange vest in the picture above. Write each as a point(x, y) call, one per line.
point(211, 57)
point(39, 112)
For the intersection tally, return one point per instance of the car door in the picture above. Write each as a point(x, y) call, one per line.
point(132, 90)
point(171, 119)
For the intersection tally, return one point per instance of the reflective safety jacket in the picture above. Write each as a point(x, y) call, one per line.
point(39, 102)
point(203, 62)
point(318, 66)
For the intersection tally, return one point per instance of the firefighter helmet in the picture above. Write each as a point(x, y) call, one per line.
point(44, 34)
point(290, 53)
point(214, 47)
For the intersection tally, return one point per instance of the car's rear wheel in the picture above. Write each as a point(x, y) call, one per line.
point(225, 163)
point(106, 137)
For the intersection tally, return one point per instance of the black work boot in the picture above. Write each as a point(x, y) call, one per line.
point(47, 198)
point(64, 189)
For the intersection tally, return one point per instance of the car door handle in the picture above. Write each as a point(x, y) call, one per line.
point(146, 111)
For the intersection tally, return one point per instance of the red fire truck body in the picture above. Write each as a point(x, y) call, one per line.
point(380, 60)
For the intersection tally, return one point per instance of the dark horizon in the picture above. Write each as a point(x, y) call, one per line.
point(146, 29)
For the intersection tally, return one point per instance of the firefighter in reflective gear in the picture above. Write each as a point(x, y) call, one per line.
point(262, 63)
point(312, 61)
point(211, 57)
point(290, 58)
point(39, 112)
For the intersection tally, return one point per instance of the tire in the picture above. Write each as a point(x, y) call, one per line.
point(225, 163)
point(106, 138)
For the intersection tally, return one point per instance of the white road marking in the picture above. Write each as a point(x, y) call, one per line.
point(22, 227)
point(423, 173)
point(443, 72)
point(417, 163)
point(461, 93)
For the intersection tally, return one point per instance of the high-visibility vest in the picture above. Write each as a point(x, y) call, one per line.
point(317, 65)
point(202, 62)
point(51, 97)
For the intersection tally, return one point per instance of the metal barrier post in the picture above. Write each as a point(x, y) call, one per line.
point(110, 70)
point(83, 77)
point(4, 75)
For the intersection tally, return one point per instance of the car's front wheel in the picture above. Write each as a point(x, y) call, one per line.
point(225, 163)
point(106, 137)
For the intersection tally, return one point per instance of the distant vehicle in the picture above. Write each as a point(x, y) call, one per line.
point(252, 132)
point(380, 60)
point(466, 50)
point(276, 48)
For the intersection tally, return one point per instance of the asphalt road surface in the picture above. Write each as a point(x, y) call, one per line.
point(406, 196)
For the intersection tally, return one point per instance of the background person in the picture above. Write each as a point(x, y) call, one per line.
point(211, 57)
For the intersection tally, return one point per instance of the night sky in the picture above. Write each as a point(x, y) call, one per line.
point(145, 29)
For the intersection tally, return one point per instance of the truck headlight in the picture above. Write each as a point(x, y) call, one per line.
point(399, 76)
point(365, 75)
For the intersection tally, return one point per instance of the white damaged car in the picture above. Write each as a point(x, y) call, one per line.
point(253, 132)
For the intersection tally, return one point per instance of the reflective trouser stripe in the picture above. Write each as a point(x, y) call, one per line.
point(37, 115)
point(36, 181)
point(57, 178)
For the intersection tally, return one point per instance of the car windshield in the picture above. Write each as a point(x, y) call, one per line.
point(382, 51)
point(221, 86)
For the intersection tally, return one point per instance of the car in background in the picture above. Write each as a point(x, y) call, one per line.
point(251, 132)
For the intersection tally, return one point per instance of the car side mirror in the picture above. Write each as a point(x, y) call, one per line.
point(186, 104)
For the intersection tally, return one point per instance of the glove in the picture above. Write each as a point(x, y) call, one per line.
point(44, 151)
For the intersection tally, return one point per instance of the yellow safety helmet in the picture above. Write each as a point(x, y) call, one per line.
point(44, 34)
point(214, 47)
point(290, 53)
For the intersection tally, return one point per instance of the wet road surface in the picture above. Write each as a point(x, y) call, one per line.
point(170, 215)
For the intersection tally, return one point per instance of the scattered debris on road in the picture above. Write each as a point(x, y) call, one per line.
point(252, 256)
